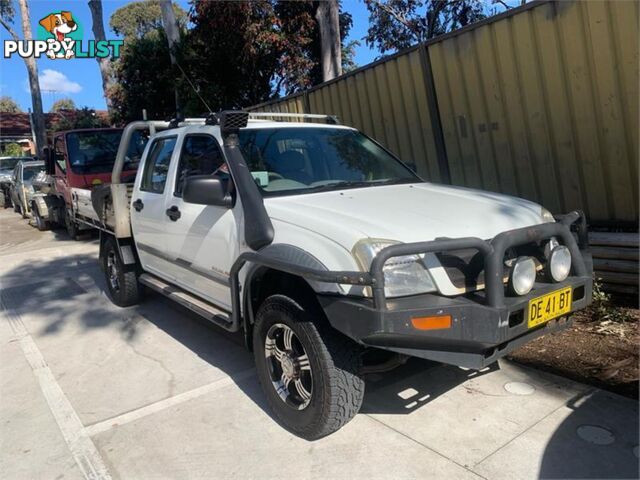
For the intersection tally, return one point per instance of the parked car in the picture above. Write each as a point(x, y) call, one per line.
point(326, 251)
point(21, 188)
point(7, 166)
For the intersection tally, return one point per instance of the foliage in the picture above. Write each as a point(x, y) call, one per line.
point(398, 24)
point(12, 150)
point(8, 105)
point(235, 54)
point(137, 19)
point(604, 309)
point(144, 80)
point(7, 11)
point(82, 118)
point(63, 104)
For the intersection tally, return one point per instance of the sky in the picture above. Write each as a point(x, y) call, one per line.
point(79, 79)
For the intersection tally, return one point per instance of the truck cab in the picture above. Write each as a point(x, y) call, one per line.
point(79, 160)
point(322, 247)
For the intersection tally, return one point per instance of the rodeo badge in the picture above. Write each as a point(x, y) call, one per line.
point(60, 36)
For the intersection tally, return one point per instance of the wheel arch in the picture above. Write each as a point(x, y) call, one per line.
point(260, 282)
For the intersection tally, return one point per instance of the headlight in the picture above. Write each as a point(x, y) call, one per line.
point(559, 264)
point(547, 216)
point(523, 275)
point(404, 275)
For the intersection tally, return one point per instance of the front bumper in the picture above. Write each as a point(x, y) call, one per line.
point(485, 325)
point(478, 336)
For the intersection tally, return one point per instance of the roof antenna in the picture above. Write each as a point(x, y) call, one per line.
point(194, 88)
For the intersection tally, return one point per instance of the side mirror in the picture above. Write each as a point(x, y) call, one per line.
point(49, 163)
point(206, 190)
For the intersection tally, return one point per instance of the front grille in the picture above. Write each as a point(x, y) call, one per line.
point(465, 268)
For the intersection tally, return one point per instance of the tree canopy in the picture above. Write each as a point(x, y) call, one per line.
point(234, 54)
point(9, 105)
point(81, 118)
point(63, 104)
point(398, 24)
point(137, 19)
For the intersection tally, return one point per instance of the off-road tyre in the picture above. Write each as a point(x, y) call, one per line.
point(41, 223)
point(126, 290)
point(337, 389)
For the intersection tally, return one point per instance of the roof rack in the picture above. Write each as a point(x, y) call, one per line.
point(332, 119)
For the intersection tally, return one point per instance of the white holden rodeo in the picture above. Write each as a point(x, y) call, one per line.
point(322, 247)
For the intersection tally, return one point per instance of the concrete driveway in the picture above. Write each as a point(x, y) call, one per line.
point(91, 390)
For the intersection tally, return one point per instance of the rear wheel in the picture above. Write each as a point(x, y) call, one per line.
point(122, 281)
point(308, 371)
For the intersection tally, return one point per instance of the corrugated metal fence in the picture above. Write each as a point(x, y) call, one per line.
point(539, 102)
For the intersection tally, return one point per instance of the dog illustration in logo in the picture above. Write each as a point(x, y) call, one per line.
point(59, 25)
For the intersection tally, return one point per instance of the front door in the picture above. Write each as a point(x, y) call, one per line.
point(148, 207)
point(202, 239)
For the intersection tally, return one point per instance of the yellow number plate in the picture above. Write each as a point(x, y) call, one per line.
point(549, 306)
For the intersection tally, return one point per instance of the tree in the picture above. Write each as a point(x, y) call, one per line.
point(235, 54)
point(63, 104)
point(83, 118)
point(136, 19)
point(398, 24)
point(12, 150)
point(327, 16)
point(144, 80)
point(172, 30)
point(97, 25)
point(8, 105)
point(6, 19)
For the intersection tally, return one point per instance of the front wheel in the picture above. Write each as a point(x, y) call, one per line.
point(122, 283)
point(71, 225)
point(41, 223)
point(308, 371)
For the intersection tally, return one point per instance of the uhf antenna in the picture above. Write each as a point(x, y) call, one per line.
point(194, 88)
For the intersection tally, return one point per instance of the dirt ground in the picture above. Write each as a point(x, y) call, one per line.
point(600, 349)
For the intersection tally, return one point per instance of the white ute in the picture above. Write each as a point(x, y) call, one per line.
point(332, 256)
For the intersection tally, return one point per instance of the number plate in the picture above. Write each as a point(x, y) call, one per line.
point(549, 306)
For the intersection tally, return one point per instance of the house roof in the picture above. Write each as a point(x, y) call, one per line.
point(16, 125)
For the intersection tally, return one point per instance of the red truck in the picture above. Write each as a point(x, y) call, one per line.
point(76, 162)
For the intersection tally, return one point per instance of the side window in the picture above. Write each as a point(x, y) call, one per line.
point(156, 166)
point(58, 153)
point(200, 155)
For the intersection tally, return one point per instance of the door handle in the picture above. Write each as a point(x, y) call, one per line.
point(138, 205)
point(173, 213)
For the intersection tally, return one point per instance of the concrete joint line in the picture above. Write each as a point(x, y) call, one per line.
point(158, 406)
point(80, 446)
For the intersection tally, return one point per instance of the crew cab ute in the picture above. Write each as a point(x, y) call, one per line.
point(327, 252)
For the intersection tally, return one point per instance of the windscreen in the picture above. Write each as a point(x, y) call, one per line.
point(303, 160)
point(95, 151)
point(10, 163)
point(31, 171)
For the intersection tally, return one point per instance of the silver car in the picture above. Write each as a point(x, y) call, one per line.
point(21, 188)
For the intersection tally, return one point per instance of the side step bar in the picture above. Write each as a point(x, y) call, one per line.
point(193, 303)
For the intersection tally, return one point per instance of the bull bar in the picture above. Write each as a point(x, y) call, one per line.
point(493, 251)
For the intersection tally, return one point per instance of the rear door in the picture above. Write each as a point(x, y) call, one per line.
point(201, 239)
point(148, 206)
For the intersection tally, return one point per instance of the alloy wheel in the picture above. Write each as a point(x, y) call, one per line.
point(289, 366)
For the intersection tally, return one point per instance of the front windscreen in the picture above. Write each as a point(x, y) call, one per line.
point(9, 163)
point(303, 160)
point(31, 171)
point(95, 151)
